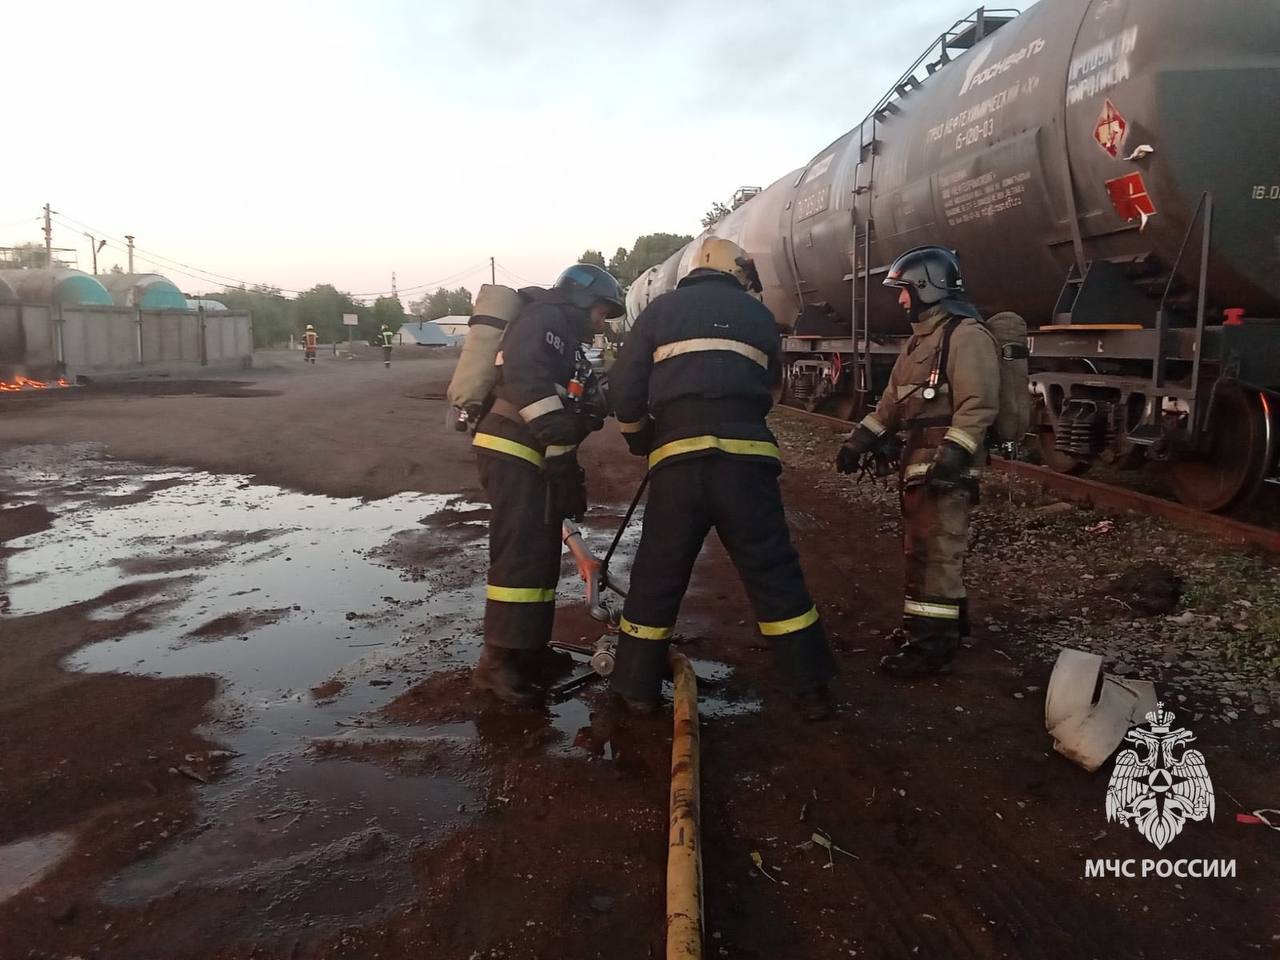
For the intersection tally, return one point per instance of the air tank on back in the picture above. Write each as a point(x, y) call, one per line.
point(1034, 144)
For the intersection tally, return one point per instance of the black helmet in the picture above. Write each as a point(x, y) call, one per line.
point(932, 274)
point(588, 284)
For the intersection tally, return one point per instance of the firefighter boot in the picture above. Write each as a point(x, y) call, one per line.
point(930, 647)
point(513, 676)
point(813, 704)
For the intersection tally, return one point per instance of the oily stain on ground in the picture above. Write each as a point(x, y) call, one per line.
point(310, 810)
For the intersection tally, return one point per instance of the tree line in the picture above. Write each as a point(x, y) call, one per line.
point(276, 317)
point(648, 250)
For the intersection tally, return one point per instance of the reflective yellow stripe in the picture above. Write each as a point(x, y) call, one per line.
point(936, 611)
point(700, 344)
point(628, 426)
point(874, 425)
point(540, 407)
point(746, 448)
point(558, 451)
point(776, 628)
point(509, 447)
point(643, 632)
point(960, 437)
point(520, 594)
point(920, 469)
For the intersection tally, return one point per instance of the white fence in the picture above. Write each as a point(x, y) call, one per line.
point(100, 341)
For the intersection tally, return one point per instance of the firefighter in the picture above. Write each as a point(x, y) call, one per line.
point(691, 388)
point(944, 394)
point(309, 344)
point(546, 401)
point(384, 337)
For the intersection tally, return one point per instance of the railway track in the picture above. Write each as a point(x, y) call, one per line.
point(1110, 497)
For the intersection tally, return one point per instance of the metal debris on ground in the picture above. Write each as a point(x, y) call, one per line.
point(759, 863)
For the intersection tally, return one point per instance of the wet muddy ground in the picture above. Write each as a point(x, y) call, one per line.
point(235, 625)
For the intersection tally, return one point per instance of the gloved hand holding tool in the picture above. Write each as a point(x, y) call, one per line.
point(566, 487)
point(855, 447)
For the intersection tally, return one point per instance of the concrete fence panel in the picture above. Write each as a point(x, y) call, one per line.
point(99, 340)
point(40, 335)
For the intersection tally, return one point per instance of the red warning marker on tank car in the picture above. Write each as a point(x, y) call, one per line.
point(1110, 128)
point(1129, 196)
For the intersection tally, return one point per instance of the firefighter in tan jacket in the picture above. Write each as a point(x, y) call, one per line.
point(943, 394)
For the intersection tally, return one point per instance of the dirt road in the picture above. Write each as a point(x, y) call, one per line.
point(235, 624)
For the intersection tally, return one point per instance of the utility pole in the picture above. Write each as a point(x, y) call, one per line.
point(48, 236)
point(95, 245)
point(394, 293)
point(130, 239)
point(492, 278)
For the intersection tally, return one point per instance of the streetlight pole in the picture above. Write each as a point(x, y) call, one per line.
point(96, 246)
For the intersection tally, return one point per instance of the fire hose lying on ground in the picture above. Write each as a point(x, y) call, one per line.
point(684, 843)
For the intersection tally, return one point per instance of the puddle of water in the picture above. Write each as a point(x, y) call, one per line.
point(24, 862)
point(274, 593)
point(307, 831)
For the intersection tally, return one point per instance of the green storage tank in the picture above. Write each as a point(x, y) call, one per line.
point(71, 288)
point(147, 291)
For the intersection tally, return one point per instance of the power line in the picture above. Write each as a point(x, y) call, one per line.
point(209, 276)
point(526, 280)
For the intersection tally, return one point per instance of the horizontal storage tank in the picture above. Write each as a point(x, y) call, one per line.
point(70, 288)
point(147, 291)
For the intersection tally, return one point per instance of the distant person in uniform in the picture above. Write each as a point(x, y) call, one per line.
point(309, 344)
point(944, 393)
point(691, 389)
point(385, 336)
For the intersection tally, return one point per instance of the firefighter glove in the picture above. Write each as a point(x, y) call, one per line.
point(566, 485)
point(950, 466)
point(640, 442)
point(851, 452)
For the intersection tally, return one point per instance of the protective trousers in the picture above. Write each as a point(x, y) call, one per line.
point(936, 530)
point(524, 555)
point(739, 497)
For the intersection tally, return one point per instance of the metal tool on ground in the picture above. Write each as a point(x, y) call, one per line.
point(595, 574)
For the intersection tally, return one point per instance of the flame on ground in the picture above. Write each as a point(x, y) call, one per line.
point(21, 383)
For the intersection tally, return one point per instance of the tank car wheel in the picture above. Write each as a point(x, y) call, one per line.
point(1241, 451)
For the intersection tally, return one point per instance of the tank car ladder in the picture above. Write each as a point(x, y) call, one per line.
point(962, 35)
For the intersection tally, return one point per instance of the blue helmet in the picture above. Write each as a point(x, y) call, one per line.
point(588, 284)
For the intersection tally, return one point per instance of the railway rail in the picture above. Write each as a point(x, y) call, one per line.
point(1108, 496)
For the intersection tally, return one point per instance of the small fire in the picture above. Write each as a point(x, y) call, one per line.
point(21, 383)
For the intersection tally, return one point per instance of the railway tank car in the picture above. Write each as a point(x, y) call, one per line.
point(1110, 169)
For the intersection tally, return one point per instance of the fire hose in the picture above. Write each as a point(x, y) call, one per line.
point(684, 838)
point(684, 843)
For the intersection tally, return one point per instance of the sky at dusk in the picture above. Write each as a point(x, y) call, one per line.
point(300, 143)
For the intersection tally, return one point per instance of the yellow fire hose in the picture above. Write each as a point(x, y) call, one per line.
point(684, 847)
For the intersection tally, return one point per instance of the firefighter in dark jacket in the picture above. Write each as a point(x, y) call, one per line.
point(691, 388)
point(546, 401)
point(944, 394)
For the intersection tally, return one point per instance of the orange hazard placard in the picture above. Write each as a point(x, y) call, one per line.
point(1129, 196)
point(1110, 128)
